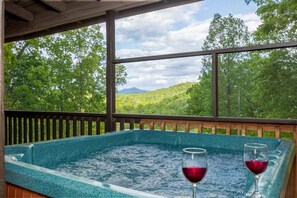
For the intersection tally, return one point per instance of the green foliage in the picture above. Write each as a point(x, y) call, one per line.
point(60, 72)
point(66, 72)
point(256, 84)
point(279, 21)
point(276, 78)
point(166, 101)
point(277, 84)
point(224, 32)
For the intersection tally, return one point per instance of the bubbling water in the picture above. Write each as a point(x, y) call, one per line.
point(157, 169)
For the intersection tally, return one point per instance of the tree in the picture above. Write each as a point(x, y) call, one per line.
point(60, 72)
point(279, 20)
point(224, 32)
point(277, 74)
point(26, 75)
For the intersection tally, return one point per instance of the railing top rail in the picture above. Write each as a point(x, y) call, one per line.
point(210, 119)
point(28, 113)
point(209, 52)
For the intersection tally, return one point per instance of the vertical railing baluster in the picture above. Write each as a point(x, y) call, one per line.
point(30, 129)
point(36, 129)
point(187, 127)
point(200, 127)
point(163, 125)
point(228, 129)
point(48, 127)
point(54, 127)
point(60, 127)
point(90, 126)
point(15, 133)
point(20, 130)
point(41, 128)
point(98, 128)
point(6, 130)
point(277, 132)
point(82, 127)
point(213, 130)
point(243, 131)
point(132, 123)
point(10, 130)
point(122, 124)
point(74, 125)
point(174, 127)
point(67, 127)
point(25, 129)
point(260, 132)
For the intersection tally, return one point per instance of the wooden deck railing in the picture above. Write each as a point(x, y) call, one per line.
point(24, 127)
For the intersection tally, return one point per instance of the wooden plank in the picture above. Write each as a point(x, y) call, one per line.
point(54, 127)
point(16, 191)
point(98, 126)
point(163, 126)
point(10, 130)
point(90, 126)
point(25, 129)
point(187, 127)
point(57, 5)
point(260, 132)
point(132, 122)
point(48, 128)
point(2, 116)
point(18, 11)
point(61, 127)
point(243, 132)
point(30, 129)
point(15, 130)
point(41, 128)
point(122, 124)
point(74, 126)
point(36, 129)
point(82, 127)
point(20, 121)
point(75, 12)
point(67, 127)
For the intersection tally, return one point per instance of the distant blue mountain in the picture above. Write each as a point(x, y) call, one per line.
point(131, 90)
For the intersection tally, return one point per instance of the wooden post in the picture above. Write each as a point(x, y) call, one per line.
point(215, 76)
point(110, 71)
point(2, 118)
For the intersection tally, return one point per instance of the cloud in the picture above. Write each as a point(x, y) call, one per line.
point(252, 20)
point(151, 75)
point(173, 30)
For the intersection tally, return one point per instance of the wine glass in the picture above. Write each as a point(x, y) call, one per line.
point(256, 160)
point(194, 165)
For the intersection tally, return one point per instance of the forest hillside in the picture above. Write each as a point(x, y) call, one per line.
point(166, 101)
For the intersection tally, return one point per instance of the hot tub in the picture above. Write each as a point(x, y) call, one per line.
point(36, 166)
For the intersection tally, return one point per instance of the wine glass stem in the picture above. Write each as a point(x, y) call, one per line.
point(194, 190)
point(256, 178)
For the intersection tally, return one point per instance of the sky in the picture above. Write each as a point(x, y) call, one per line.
point(179, 29)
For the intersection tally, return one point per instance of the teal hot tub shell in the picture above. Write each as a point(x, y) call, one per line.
point(26, 164)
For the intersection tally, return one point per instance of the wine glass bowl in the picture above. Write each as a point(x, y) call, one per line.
point(256, 161)
point(194, 165)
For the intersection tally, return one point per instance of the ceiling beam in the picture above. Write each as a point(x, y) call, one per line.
point(18, 11)
point(57, 5)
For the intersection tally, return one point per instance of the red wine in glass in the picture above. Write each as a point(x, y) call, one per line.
point(257, 167)
point(194, 174)
point(256, 160)
point(194, 165)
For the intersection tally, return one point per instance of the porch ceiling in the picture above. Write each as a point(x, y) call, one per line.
point(30, 18)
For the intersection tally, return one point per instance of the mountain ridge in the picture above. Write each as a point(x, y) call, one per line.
point(132, 90)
